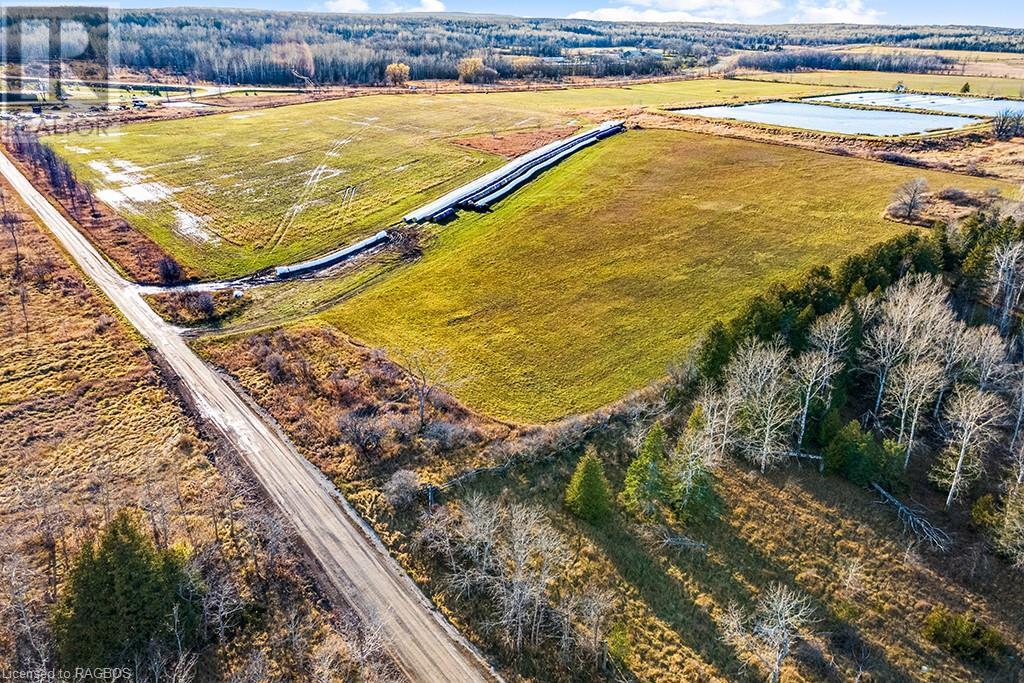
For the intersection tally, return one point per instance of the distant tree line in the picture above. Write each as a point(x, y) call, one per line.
point(794, 60)
point(245, 46)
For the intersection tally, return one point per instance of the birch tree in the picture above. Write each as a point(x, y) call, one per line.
point(986, 356)
point(813, 374)
point(912, 316)
point(768, 406)
point(831, 334)
point(953, 341)
point(1014, 385)
point(768, 636)
point(719, 408)
point(913, 386)
point(1006, 282)
point(973, 417)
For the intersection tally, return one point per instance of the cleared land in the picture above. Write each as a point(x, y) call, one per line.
point(234, 193)
point(980, 85)
point(588, 282)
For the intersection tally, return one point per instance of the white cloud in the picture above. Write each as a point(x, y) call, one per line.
point(837, 12)
point(683, 10)
point(347, 6)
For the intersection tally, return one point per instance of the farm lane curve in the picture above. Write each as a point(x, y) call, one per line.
point(425, 646)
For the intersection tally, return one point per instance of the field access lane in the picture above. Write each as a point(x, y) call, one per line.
point(354, 562)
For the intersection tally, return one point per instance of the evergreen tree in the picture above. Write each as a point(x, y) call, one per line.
point(120, 596)
point(714, 352)
point(645, 479)
point(588, 495)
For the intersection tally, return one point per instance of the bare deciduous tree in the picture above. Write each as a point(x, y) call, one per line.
point(813, 372)
point(913, 386)
point(1006, 282)
point(595, 610)
point(973, 416)
point(768, 637)
point(953, 341)
point(768, 405)
point(719, 408)
point(986, 356)
point(909, 198)
point(910, 322)
point(830, 334)
point(429, 373)
point(23, 616)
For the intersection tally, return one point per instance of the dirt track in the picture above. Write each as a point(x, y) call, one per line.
point(353, 561)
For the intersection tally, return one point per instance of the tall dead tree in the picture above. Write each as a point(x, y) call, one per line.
point(768, 405)
point(813, 374)
point(985, 357)
point(1006, 282)
point(910, 322)
point(830, 334)
point(973, 417)
point(913, 386)
point(768, 637)
point(953, 343)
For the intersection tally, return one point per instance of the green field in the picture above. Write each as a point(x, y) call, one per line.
point(871, 80)
point(233, 193)
point(588, 282)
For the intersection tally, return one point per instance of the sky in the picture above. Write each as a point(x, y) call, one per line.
point(1008, 13)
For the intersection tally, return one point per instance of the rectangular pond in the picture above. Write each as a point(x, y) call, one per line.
point(951, 104)
point(834, 119)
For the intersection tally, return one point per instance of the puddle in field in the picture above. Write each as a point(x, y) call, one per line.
point(950, 104)
point(833, 119)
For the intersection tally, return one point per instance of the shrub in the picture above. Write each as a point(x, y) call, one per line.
point(118, 596)
point(277, 367)
point(169, 270)
point(962, 634)
point(984, 513)
point(401, 489)
point(588, 495)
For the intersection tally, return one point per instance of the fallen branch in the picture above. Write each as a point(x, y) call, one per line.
point(914, 521)
point(663, 537)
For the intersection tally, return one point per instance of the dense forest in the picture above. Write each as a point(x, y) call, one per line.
point(240, 46)
point(793, 60)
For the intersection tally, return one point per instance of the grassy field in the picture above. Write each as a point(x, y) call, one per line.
point(237, 192)
point(864, 80)
point(587, 283)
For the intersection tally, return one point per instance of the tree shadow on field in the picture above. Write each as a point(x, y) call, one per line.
point(665, 596)
point(974, 574)
point(734, 570)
